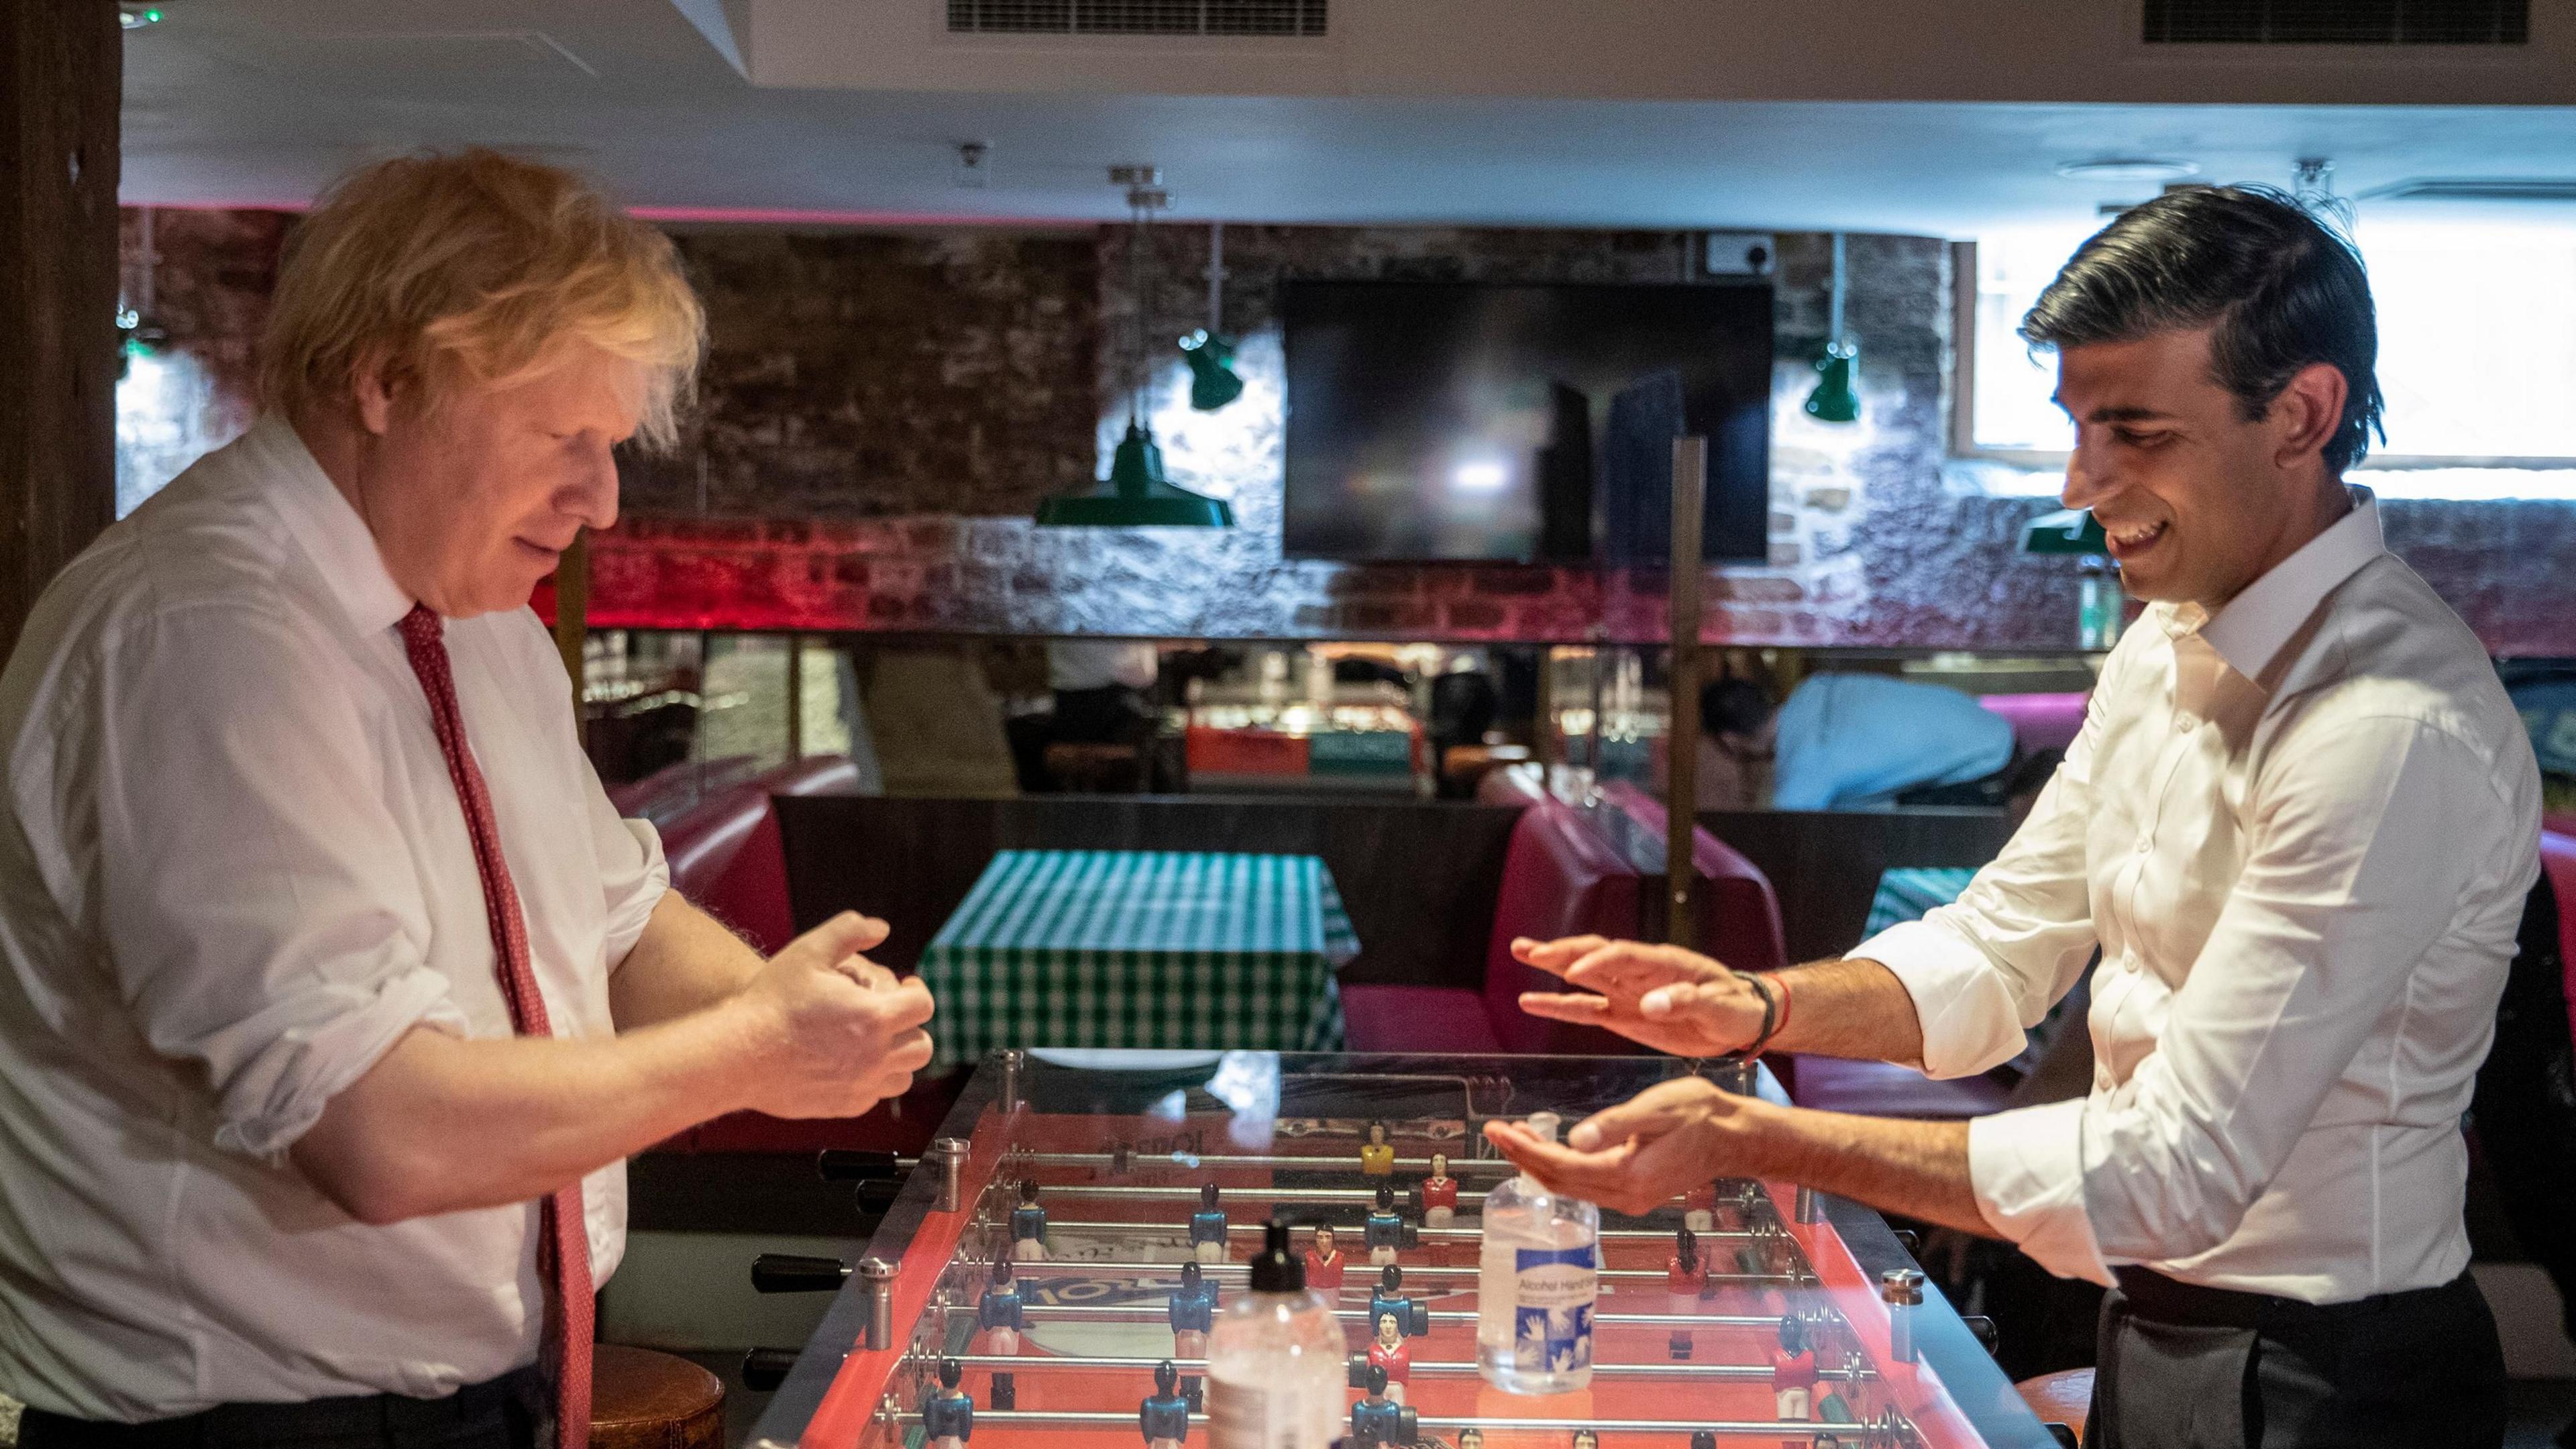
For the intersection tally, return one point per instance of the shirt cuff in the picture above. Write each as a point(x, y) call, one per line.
point(2027, 1169)
point(1969, 1019)
point(280, 1099)
point(636, 897)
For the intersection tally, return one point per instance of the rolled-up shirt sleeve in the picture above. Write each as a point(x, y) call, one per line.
point(1986, 967)
point(256, 901)
point(633, 875)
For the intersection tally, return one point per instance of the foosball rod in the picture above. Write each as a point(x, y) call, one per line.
point(1413, 1273)
point(1724, 1429)
point(1081, 1312)
point(1195, 1161)
point(1446, 1235)
point(1003, 1363)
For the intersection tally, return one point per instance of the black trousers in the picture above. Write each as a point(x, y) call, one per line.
point(506, 1413)
point(2185, 1367)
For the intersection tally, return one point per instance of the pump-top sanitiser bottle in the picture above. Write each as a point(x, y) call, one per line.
point(1537, 1278)
point(1276, 1360)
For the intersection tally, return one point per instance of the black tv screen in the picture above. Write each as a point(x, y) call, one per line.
point(1473, 421)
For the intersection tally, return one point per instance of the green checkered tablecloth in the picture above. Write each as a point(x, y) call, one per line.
point(1098, 948)
point(1909, 892)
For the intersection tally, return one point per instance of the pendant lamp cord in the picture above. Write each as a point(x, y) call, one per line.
point(1834, 328)
point(1136, 289)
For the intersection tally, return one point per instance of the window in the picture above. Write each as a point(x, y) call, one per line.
point(2477, 346)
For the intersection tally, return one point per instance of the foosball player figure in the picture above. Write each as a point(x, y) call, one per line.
point(948, 1415)
point(1703, 1439)
point(1377, 1155)
point(1028, 1226)
point(1389, 1297)
point(1471, 1437)
point(1586, 1439)
point(1684, 1280)
point(1793, 1375)
point(1324, 1262)
point(1164, 1416)
point(1207, 1227)
point(1699, 1208)
point(1378, 1422)
point(1003, 1316)
point(1389, 1354)
point(1439, 1193)
point(1193, 1314)
point(1385, 1230)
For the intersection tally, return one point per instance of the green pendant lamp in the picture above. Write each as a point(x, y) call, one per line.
point(1837, 396)
point(1213, 383)
point(1136, 494)
point(2069, 531)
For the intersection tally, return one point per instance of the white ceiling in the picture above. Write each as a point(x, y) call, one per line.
point(258, 102)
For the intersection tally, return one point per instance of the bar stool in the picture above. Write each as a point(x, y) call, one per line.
point(2061, 1400)
point(640, 1399)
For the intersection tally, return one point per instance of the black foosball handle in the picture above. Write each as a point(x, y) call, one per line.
point(788, 1273)
point(764, 1369)
point(876, 1194)
point(1989, 1337)
point(843, 1165)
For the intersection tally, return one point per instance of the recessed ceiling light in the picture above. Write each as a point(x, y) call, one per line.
point(2128, 168)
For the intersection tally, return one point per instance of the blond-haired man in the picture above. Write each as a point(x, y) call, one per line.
point(332, 991)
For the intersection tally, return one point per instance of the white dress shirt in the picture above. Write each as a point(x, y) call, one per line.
point(2301, 832)
point(233, 872)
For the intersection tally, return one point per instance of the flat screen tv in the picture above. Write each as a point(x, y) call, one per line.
point(1435, 421)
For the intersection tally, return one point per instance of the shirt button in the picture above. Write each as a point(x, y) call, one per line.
point(2185, 723)
point(2145, 845)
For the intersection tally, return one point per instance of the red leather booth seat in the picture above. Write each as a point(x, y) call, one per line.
point(1559, 879)
point(2558, 860)
point(1739, 924)
point(2039, 721)
point(728, 859)
point(674, 790)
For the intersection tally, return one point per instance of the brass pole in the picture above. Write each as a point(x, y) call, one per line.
point(572, 618)
point(1681, 738)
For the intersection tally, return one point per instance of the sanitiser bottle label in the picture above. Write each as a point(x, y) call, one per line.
point(1553, 1290)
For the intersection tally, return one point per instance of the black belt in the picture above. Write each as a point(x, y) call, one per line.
point(2153, 1296)
point(359, 1418)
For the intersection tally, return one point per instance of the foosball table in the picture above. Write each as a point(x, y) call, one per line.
point(1046, 1272)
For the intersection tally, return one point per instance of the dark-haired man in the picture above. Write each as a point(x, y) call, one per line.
point(2299, 824)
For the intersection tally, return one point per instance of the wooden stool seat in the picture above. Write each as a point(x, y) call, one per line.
point(2064, 1397)
point(640, 1399)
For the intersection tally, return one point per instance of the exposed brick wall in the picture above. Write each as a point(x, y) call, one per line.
point(207, 286)
point(884, 412)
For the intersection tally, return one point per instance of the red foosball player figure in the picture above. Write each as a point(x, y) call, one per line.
point(1377, 1155)
point(1471, 1437)
point(1164, 1416)
point(1439, 1193)
point(1699, 1208)
point(1793, 1376)
point(1324, 1263)
point(1390, 1354)
point(948, 1416)
point(1684, 1280)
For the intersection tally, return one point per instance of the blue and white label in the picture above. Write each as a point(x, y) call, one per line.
point(1553, 1290)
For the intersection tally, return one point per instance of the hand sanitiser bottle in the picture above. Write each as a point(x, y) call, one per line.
point(1536, 1281)
point(1276, 1360)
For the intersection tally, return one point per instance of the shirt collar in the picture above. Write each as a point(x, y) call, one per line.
point(329, 530)
point(2251, 628)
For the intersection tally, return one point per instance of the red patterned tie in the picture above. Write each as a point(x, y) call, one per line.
point(563, 1244)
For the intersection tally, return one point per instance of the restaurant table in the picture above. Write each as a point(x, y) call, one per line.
point(1908, 892)
point(1173, 949)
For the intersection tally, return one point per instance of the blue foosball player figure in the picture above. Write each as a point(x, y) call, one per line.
point(1378, 1422)
point(948, 1416)
point(1193, 1314)
point(1385, 1230)
point(1002, 1316)
point(1389, 1297)
point(1028, 1226)
point(1164, 1416)
point(1207, 1227)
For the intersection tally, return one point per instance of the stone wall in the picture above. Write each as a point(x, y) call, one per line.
point(883, 412)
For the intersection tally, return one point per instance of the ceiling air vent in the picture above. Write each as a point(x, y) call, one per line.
point(2338, 22)
point(1137, 17)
